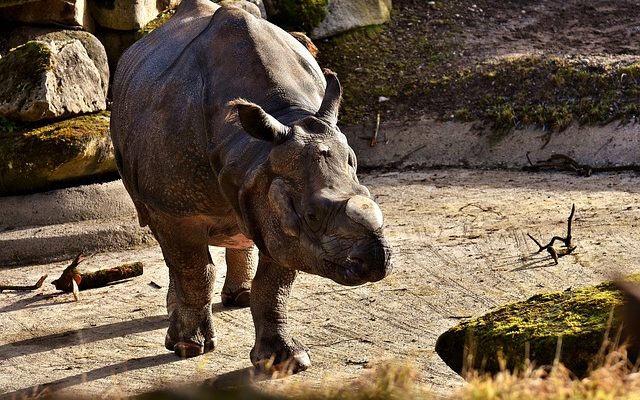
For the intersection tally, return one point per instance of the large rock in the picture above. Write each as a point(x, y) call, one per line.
point(579, 318)
point(43, 12)
point(43, 80)
point(344, 15)
point(127, 15)
point(48, 156)
point(92, 45)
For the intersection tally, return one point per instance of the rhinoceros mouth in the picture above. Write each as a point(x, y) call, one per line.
point(346, 272)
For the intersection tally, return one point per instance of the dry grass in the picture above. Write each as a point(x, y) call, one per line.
point(615, 379)
point(387, 381)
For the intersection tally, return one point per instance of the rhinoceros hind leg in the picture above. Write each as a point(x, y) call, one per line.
point(192, 275)
point(241, 266)
point(274, 349)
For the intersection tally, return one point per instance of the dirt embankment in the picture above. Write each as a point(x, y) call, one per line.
point(419, 58)
point(521, 71)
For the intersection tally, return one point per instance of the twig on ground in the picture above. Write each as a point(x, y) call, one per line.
point(374, 138)
point(91, 280)
point(568, 246)
point(38, 285)
point(560, 162)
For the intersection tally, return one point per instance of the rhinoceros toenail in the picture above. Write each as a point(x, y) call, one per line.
point(188, 349)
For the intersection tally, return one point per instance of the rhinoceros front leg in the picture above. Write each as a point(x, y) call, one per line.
point(241, 266)
point(191, 279)
point(274, 349)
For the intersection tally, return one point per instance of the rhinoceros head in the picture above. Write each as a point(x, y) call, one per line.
point(313, 214)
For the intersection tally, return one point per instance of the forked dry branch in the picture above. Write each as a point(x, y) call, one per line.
point(567, 248)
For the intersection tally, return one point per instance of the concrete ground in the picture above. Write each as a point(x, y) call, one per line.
point(460, 249)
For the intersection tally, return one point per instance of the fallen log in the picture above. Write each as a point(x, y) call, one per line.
point(95, 279)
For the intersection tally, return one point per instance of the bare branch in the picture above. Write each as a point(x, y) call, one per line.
point(569, 247)
point(38, 285)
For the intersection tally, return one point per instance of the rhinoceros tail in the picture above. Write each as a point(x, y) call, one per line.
point(143, 213)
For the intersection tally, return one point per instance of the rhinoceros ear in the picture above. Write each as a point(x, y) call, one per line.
point(257, 123)
point(328, 111)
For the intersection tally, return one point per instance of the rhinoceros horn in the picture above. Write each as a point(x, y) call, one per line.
point(256, 122)
point(328, 111)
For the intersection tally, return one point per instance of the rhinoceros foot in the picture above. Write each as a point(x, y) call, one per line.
point(239, 298)
point(277, 354)
point(190, 332)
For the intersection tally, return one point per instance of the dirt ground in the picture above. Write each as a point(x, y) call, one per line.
point(494, 29)
point(460, 249)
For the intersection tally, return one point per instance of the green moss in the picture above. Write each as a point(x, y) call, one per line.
point(548, 93)
point(90, 125)
point(504, 119)
point(8, 126)
point(37, 53)
point(463, 115)
point(299, 15)
point(581, 317)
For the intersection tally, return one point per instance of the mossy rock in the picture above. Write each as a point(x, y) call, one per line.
point(42, 157)
point(584, 318)
point(49, 80)
point(95, 49)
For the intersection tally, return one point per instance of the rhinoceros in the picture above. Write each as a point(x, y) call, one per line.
point(225, 134)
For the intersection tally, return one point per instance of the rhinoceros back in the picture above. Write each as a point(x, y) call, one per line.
point(171, 91)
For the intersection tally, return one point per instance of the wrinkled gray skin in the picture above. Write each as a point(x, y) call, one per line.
point(225, 134)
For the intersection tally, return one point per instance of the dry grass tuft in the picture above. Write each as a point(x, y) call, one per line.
point(387, 381)
point(616, 379)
